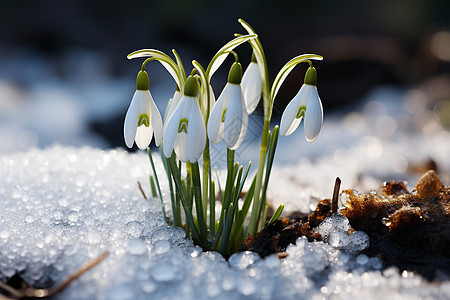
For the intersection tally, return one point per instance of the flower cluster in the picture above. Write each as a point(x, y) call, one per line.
point(194, 118)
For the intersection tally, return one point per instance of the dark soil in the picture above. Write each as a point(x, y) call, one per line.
point(409, 230)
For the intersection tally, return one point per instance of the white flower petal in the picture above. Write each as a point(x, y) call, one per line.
point(155, 121)
point(182, 113)
point(166, 113)
point(196, 136)
point(313, 116)
point(174, 103)
point(289, 122)
point(212, 98)
point(143, 136)
point(252, 87)
point(180, 147)
point(131, 120)
point(215, 125)
point(244, 126)
point(234, 116)
point(171, 131)
point(184, 109)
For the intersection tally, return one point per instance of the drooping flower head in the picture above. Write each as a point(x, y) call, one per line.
point(185, 130)
point(143, 117)
point(251, 85)
point(229, 119)
point(306, 104)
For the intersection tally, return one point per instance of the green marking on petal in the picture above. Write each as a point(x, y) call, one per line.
point(301, 112)
point(182, 126)
point(224, 112)
point(144, 120)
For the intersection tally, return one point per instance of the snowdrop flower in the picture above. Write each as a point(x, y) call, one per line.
point(251, 85)
point(306, 104)
point(173, 103)
point(142, 118)
point(185, 130)
point(228, 119)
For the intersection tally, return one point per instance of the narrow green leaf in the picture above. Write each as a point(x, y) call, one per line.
point(197, 192)
point(206, 177)
point(179, 185)
point(273, 140)
point(244, 178)
point(153, 187)
point(227, 230)
point(212, 208)
point(238, 182)
point(180, 64)
point(276, 214)
point(246, 206)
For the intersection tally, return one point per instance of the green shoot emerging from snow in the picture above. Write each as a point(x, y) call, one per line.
point(194, 119)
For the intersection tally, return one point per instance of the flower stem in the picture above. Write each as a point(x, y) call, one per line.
point(206, 177)
point(254, 219)
point(176, 174)
point(212, 209)
point(197, 193)
point(273, 140)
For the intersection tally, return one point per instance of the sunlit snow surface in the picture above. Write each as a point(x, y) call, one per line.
point(64, 206)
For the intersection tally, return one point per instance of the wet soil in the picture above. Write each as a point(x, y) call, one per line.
point(407, 229)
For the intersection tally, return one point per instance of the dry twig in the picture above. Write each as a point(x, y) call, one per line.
point(30, 292)
point(334, 200)
point(142, 191)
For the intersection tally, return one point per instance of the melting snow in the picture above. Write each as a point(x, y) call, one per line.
point(63, 206)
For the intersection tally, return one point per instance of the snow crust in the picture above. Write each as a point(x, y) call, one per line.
point(63, 206)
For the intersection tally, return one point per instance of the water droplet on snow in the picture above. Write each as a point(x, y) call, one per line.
point(134, 228)
point(163, 272)
point(339, 239)
point(362, 259)
point(242, 260)
point(359, 241)
point(137, 247)
point(29, 218)
point(161, 247)
point(73, 217)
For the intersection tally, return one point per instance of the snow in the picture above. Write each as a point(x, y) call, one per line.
point(63, 206)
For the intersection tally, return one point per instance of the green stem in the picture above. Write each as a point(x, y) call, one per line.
point(176, 174)
point(206, 177)
point(225, 199)
point(229, 216)
point(230, 178)
point(270, 157)
point(212, 208)
point(254, 219)
point(198, 199)
point(153, 188)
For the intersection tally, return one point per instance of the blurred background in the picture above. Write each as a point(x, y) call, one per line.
point(64, 76)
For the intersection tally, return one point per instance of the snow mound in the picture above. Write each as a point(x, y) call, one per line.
point(62, 207)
